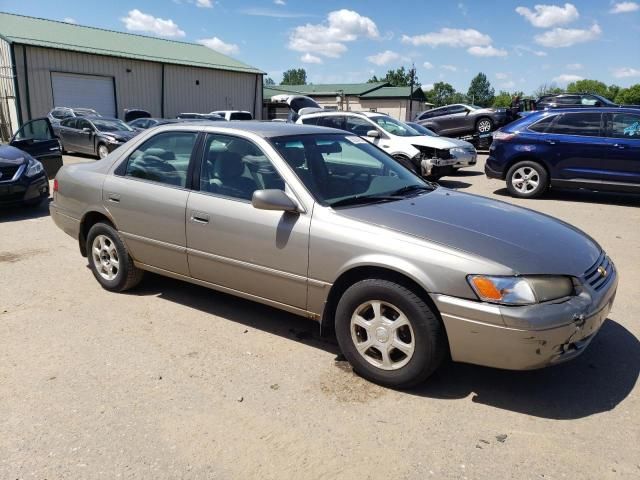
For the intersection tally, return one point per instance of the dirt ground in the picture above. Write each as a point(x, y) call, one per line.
point(177, 381)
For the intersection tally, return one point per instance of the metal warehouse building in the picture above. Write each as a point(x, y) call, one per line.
point(46, 63)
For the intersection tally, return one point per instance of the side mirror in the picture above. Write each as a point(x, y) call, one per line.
point(373, 134)
point(273, 199)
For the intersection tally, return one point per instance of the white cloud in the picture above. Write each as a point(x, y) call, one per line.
point(328, 39)
point(626, 72)
point(137, 21)
point(451, 37)
point(308, 58)
point(546, 16)
point(575, 66)
point(625, 7)
point(463, 9)
point(508, 84)
point(502, 76)
point(520, 49)
point(218, 45)
point(427, 65)
point(427, 87)
point(488, 51)
point(204, 3)
point(567, 78)
point(566, 37)
point(272, 12)
point(450, 68)
point(384, 58)
point(279, 2)
point(69, 20)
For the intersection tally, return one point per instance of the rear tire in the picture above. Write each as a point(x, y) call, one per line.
point(527, 179)
point(109, 259)
point(389, 334)
point(484, 125)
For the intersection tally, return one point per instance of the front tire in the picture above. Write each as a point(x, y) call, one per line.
point(527, 180)
point(484, 125)
point(389, 334)
point(103, 151)
point(109, 259)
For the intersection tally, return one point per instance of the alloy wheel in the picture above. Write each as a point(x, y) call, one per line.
point(484, 126)
point(105, 257)
point(382, 335)
point(525, 180)
point(103, 151)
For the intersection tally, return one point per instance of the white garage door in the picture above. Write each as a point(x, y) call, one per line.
point(86, 91)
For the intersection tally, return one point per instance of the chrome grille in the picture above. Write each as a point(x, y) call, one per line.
point(600, 273)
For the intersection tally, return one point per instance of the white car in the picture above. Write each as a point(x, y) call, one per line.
point(233, 114)
point(431, 157)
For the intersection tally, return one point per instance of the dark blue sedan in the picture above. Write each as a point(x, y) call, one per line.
point(593, 148)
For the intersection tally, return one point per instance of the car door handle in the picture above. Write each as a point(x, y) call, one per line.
point(113, 197)
point(199, 217)
point(551, 142)
point(620, 146)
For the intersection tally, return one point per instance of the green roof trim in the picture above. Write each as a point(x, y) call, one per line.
point(327, 89)
point(395, 92)
point(40, 32)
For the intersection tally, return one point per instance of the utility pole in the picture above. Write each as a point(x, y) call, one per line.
point(412, 76)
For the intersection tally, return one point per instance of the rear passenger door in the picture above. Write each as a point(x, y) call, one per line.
point(234, 245)
point(622, 160)
point(147, 198)
point(66, 133)
point(576, 145)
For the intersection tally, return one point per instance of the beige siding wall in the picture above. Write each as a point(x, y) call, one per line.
point(8, 107)
point(397, 108)
point(214, 90)
point(140, 87)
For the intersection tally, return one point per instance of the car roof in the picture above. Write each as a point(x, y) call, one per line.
point(330, 113)
point(264, 129)
point(592, 110)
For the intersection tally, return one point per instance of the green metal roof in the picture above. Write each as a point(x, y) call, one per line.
point(66, 36)
point(395, 92)
point(327, 89)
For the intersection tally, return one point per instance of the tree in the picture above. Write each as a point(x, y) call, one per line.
point(547, 89)
point(269, 81)
point(443, 93)
point(502, 100)
point(294, 76)
point(480, 91)
point(629, 96)
point(397, 78)
point(588, 86)
point(612, 92)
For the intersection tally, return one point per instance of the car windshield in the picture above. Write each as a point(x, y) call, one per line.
point(111, 125)
point(422, 130)
point(343, 170)
point(395, 127)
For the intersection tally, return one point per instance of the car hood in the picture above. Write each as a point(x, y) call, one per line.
point(123, 135)
point(11, 156)
point(522, 240)
point(437, 142)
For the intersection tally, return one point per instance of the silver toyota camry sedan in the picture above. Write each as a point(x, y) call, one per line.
point(323, 224)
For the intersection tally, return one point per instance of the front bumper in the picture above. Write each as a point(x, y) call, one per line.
point(466, 159)
point(528, 337)
point(492, 173)
point(23, 190)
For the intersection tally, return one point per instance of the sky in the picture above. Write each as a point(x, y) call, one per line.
point(518, 44)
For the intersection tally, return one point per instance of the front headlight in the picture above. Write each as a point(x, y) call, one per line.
point(113, 140)
point(520, 290)
point(34, 167)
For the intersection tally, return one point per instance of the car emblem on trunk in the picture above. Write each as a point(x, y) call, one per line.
point(603, 272)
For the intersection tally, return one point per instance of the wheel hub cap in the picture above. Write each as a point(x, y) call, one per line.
point(105, 257)
point(382, 335)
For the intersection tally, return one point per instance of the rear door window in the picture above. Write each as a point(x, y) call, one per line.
point(358, 126)
point(541, 126)
point(69, 122)
point(332, 122)
point(240, 116)
point(625, 125)
point(164, 158)
point(583, 124)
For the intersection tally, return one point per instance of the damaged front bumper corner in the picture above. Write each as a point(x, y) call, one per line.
point(526, 337)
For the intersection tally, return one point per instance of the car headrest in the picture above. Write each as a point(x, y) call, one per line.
point(229, 165)
point(160, 153)
point(294, 156)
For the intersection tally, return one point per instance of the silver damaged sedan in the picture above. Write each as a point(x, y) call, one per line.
point(323, 224)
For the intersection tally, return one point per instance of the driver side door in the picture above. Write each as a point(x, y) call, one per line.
point(38, 140)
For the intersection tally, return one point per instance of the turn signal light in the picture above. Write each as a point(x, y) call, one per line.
point(486, 288)
point(55, 184)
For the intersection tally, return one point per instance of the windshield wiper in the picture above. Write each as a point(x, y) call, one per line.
point(361, 199)
point(413, 188)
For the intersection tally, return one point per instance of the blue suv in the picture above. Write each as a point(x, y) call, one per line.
point(593, 148)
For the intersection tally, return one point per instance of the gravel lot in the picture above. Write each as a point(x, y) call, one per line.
point(177, 381)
